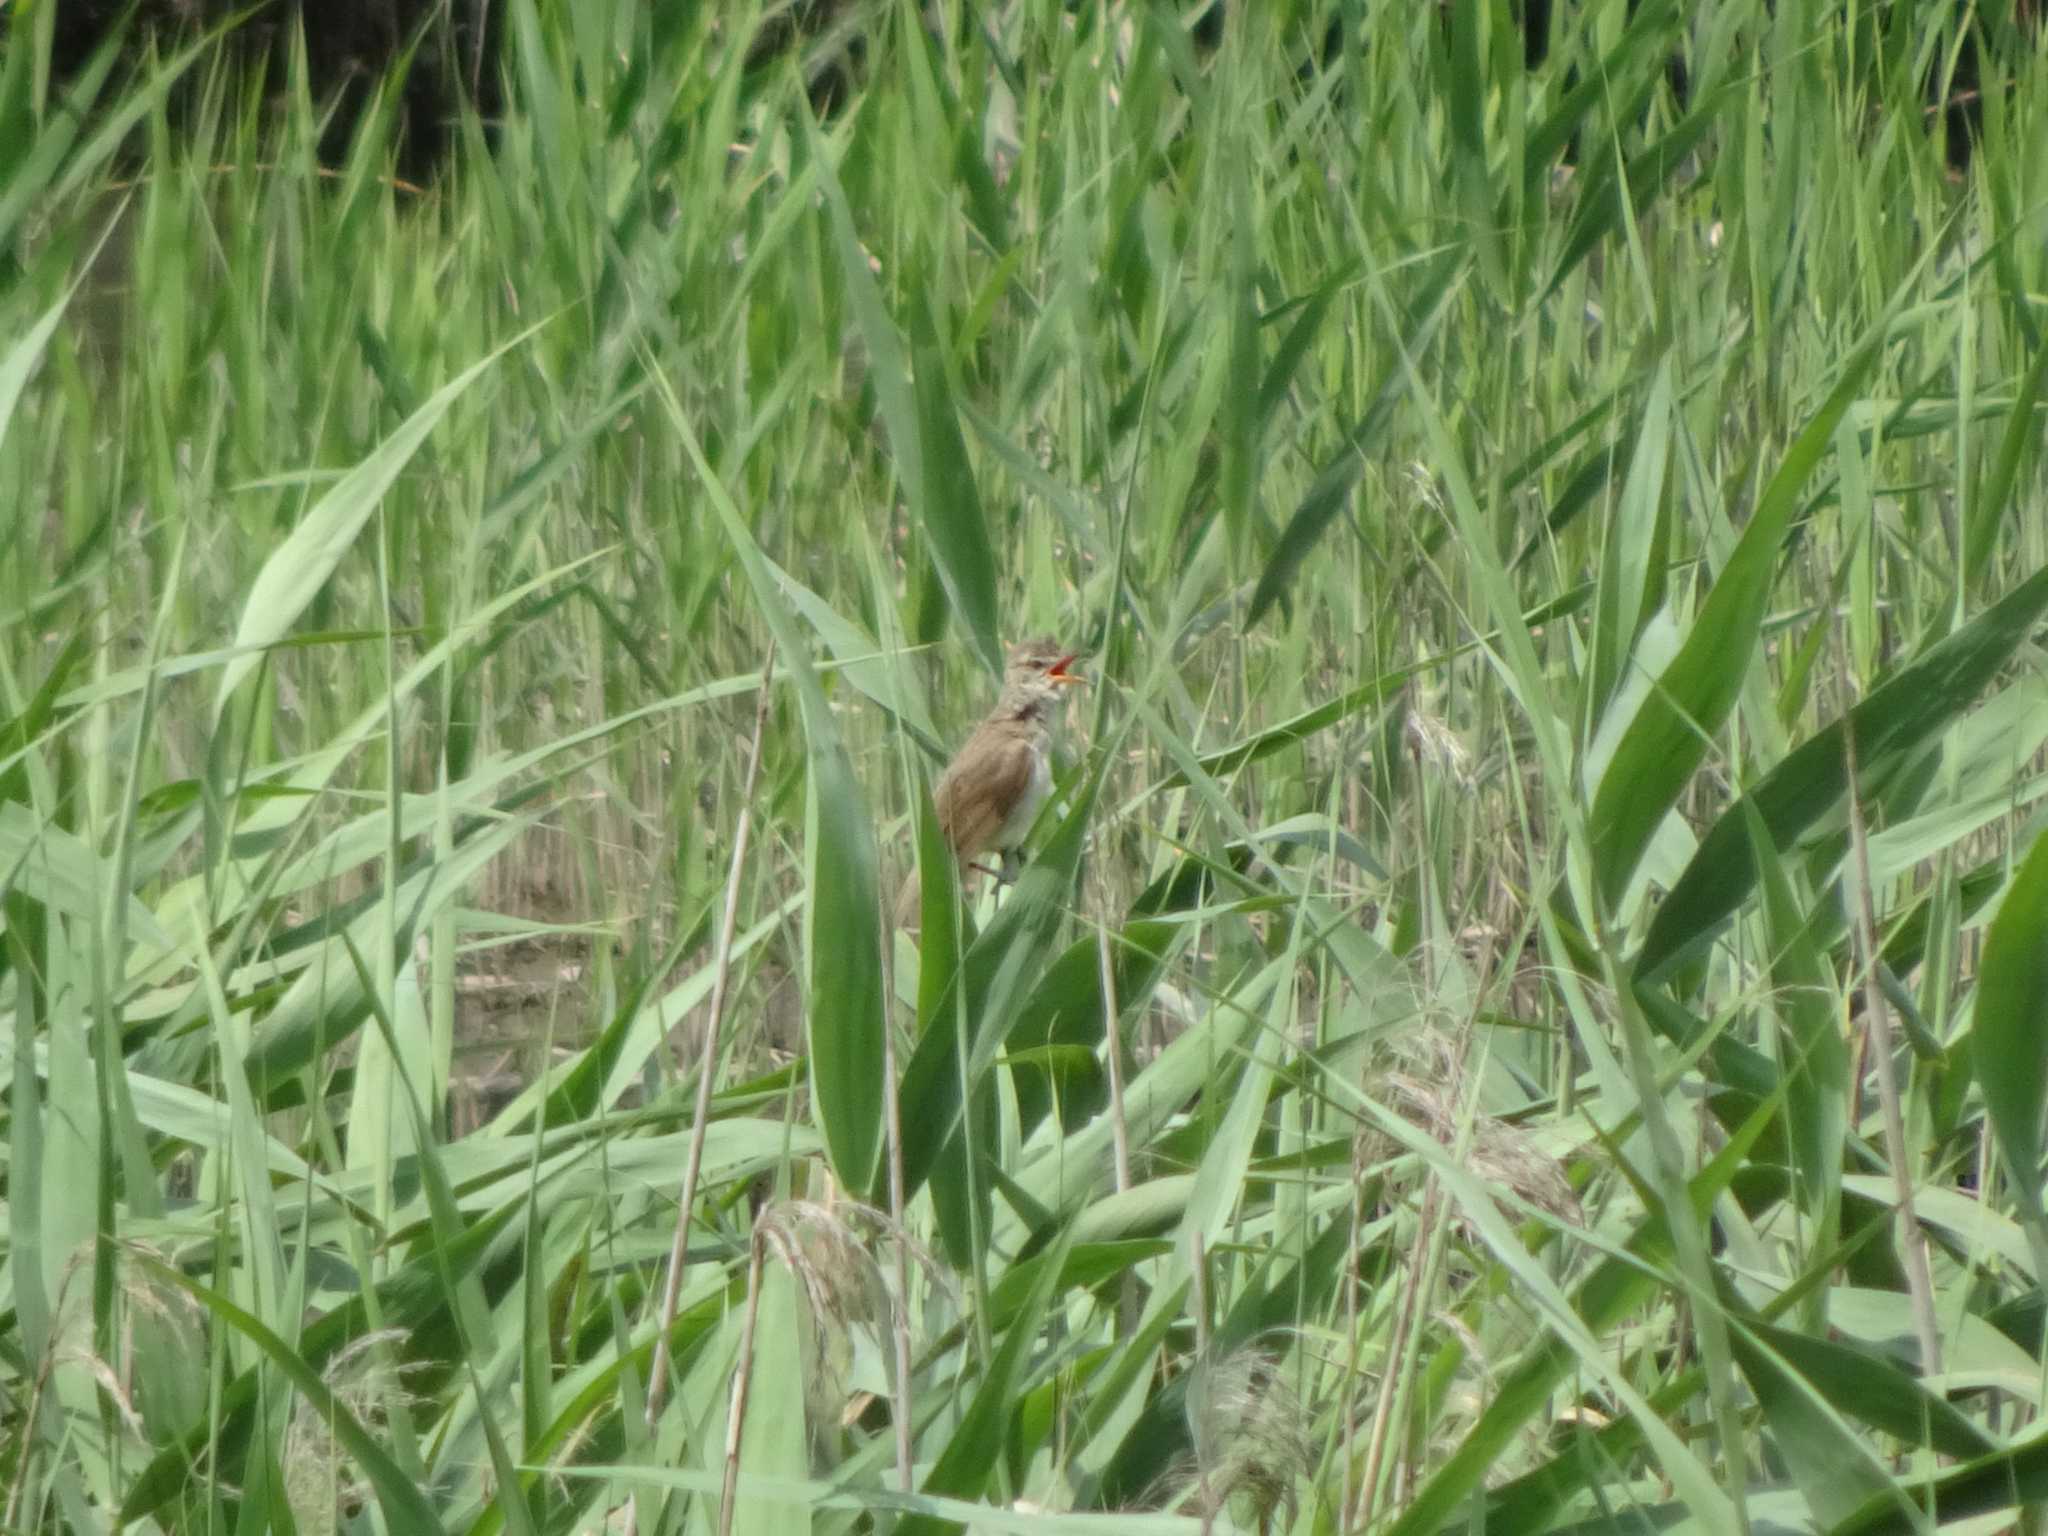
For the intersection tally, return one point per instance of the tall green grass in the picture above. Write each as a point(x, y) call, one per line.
point(1527, 1014)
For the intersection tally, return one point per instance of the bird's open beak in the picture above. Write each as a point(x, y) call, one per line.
point(1058, 672)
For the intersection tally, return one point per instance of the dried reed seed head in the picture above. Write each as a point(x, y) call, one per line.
point(840, 1282)
point(1498, 1152)
point(114, 1388)
point(1505, 1154)
point(138, 1285)
point(321, 1480)
point(1423, 482)
point(1437, 746)
point(1251, 1434)
point(71, 1339)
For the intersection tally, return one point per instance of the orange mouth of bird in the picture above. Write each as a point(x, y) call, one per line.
point(1058, 673)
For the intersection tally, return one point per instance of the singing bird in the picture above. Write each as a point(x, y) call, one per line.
point(990, 793)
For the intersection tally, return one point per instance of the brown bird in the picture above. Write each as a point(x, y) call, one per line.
point(990, 793)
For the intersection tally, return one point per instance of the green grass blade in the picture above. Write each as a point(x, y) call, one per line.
point(1994, 496)
point(915, 402)
point(22, 358)
point(979, 1443)
point(1680, 716)
point(2009, 1037)
point(1900, 715)
point(843, 924)
point(1629, 577)
point(1333, 485)
point(952, 512)
point(1613, 1289)
point(397, 1494)
point(1835, 1470)
point(300, 566)
point(1813, 1057)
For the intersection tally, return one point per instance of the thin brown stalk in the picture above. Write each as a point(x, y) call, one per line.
point(892, 1114)
point(707, 1065)
point(1198, 1298)
point(30, 1439)
point(742, 1379)
point(1351, 1331)
point(1119, 1128)
point(1397, 1346)
point(320, 172)
point(1406, 1325)
point(1877, 1023)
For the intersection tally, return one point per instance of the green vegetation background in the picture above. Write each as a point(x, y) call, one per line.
point(1530, 1012)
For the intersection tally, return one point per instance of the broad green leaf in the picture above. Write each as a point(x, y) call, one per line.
point(1986, 1234)
point(1881, 1319)
point(1680, 716)
point(1333, 485)
point(299, 567)
point(2002, 1480)
point(1899, 715)
point(52, 866)
point(21, 359)
point(1615, 1288)
point(979, 1442)
point(1220, 1180)
point(1240, 423)
point(1813, 1058)
point(2009, 1036)
point(952, 513)
point(1865, 1387)
point(916, 405)
point(1837, 1472)
point(773, 1442)
point(843, 927)
point(404, 1505)
point(1628, 564)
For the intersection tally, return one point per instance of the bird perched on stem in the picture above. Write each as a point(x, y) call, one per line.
point(990, 793)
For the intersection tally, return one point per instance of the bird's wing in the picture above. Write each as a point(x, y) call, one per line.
point(974, 797)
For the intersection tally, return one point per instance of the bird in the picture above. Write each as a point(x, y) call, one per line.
point(990, 793)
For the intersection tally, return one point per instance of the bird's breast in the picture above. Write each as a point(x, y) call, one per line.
point(1025, 811)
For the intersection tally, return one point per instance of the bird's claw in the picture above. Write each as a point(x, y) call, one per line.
point(1004, 874)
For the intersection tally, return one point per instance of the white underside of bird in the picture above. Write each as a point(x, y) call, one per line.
point(1018, 823)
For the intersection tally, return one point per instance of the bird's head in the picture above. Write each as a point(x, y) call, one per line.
point(1043, 661)
point(1038, 670)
